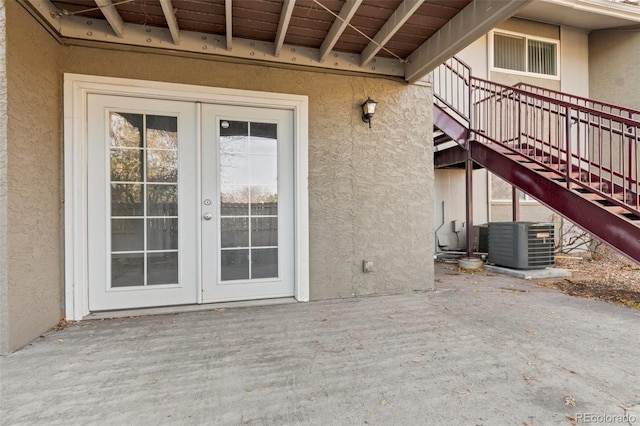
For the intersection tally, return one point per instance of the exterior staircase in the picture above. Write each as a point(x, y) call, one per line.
point(577, 156)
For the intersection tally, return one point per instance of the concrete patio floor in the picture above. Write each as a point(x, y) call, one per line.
point(481, 350)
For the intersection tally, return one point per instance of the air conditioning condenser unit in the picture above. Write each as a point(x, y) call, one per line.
point(521, 245)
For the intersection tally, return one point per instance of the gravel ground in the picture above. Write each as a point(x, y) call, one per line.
point(608, 276)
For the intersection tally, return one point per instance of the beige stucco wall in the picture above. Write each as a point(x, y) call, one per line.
point(614, 60)
point(34, 178)
point(4, 303)
point(476, 55)
point(532, 28)
point(370, 190)
point(574, 61)
point(450, 189)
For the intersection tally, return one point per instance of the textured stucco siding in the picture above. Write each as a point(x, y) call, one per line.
point(450, 205)
point(614, 60)
point(532, 28)
point(574, 61)
point(34, 178)
point(529, 212)
point(4, 302)
point(370, 190)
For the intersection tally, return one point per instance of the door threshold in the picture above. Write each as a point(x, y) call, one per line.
point(165, 310)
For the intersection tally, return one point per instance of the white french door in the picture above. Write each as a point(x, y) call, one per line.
point(188, 203)
point(247, 203)
point(141, 229)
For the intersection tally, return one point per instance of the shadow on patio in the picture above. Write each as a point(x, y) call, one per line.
point(482, 349)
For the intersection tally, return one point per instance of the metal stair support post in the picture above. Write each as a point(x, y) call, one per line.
point(469, 195)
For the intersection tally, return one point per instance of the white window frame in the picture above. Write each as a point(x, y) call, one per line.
point(77, 87)
point(527, 38)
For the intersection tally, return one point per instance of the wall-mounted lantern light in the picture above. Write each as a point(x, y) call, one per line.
point(368, 109)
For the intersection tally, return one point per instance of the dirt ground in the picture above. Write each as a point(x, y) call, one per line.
point(608, 276)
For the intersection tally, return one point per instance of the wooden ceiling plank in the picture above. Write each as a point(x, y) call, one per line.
point(228, 13)
point(468, 25)
point(395, 22)
point(172, 22)
point(339, 25)
point(283, 25)
point(113, 17)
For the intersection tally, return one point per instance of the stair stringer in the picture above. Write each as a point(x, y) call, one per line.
point(618, 231)
point(449, 125)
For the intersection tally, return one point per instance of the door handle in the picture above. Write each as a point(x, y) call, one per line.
point(207, 216)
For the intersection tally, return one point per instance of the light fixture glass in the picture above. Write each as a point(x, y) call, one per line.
point(368, 109)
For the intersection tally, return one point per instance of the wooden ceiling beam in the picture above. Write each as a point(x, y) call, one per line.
point(406, 9)
point(228, 13)
point(468, 25)
point(172, 22)
point(112, 16)
point(283, 25)
point(339, 25)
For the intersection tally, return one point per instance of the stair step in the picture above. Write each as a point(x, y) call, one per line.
point(631, 216)
point(549, 175)
point(562, 181)
point(591, 196)
point(617, 196)
point(560, 167)
point(617, 209)
point(532, 165)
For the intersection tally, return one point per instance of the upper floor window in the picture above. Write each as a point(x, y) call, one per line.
point(525, 54)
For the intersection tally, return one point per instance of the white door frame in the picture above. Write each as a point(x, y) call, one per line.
point(77, 87)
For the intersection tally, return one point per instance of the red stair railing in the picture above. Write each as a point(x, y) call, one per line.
point(581, 101)
point(589, 146)
point(452, 88)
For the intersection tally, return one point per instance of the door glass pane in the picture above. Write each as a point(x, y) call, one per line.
point(234, 265)
point(234, 169)
point(126, 165)
point(264, 200)
point(126, 200)
point(264, 170)
point(248, 187)
point(264, 263)
point(125, 130)
point(264, 138)
point(127, 234)
point(162, 234)
point(162, 166)
point(264, 231)
point(144, 199)
point(234, 136)
point(234, 200)
point(162, 132)
point(162, 200)
point(234, 232)
point(162, 268)
point(127, 270)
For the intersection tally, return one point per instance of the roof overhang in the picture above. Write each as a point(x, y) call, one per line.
point(585, 14)
point(405, 39)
